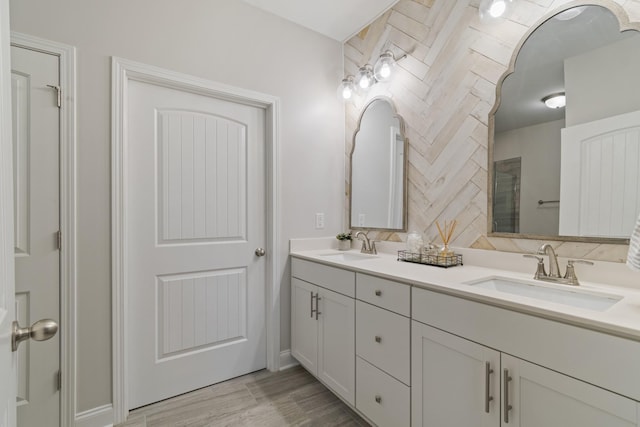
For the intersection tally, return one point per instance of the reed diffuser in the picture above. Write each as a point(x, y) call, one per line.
point(446, 236)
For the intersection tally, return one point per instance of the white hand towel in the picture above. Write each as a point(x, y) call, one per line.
point(633, 257)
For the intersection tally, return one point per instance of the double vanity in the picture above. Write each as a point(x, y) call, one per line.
point(407, 344)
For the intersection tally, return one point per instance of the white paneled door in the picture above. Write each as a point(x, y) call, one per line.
point(195, 220)
point(36, 144)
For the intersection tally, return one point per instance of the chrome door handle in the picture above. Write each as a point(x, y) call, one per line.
point(42, 330)
point(311, 305)
point(487, 386)
point(318, 305)
point(260, 252)
point(505, 386)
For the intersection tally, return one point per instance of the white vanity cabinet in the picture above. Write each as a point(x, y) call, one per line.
point(383, 343)
point(456, 381)
point(542, 397)
point(404, 355)
point(323, 324)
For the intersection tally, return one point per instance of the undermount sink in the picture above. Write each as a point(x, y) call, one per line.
point(574, 297)
point(347, 256)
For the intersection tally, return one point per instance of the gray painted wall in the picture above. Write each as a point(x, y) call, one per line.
point(226, 41)
point(596, 82)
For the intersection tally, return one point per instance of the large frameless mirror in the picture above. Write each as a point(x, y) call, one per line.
point(378, 189)
point(569, 172)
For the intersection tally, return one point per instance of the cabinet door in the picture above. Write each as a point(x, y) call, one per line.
point(336, 343)
point(455, 382)
point(541, 397)
point(304, 326)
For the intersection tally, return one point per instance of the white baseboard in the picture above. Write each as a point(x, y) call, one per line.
point(102, 416)
point(286, 360)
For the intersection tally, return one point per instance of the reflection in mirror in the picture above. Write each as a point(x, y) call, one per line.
point(378, 190)
point(578, 167)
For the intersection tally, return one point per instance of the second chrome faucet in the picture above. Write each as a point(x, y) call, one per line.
point(569, 277)
point(368, 246)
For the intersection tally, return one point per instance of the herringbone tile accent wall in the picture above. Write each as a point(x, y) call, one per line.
point(444, 90)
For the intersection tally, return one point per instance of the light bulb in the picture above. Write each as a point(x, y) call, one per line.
point(384, 66)
point(365, 78)
point(497, 9)
point(346, 88)
point(491, 10)
point(385, 71)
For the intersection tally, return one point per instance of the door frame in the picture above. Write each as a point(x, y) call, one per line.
point(67, 58)
point(7, 248)
point(122, 72)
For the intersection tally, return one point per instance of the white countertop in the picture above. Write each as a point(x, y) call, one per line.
point(622, 319)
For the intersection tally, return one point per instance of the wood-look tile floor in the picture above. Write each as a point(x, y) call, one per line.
point(288, 398)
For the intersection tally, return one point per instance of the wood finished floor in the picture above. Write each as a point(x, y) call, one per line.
point(288, 398)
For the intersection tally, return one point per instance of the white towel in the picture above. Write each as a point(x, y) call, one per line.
point(633, 257)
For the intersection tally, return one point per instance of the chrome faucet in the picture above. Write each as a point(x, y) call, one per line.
point(368, 247)
point(547, 249)
point(569, 278)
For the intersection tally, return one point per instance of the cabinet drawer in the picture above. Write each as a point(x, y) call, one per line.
point(384, 293)
point(335, 279)
point(382, 398)
point(383, 339)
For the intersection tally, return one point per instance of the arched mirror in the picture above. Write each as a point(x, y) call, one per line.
point(378, 189)
point(569, 172)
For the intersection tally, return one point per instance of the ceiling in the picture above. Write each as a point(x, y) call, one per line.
point(337, 19)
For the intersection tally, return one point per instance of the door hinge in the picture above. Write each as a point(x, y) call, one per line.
point(58, 90)
point(59, 379)
point(59, 240)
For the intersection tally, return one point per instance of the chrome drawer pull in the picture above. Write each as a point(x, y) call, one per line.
point(378, 398)
point(378, 339)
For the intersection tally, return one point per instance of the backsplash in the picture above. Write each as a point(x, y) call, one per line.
point(444, 90)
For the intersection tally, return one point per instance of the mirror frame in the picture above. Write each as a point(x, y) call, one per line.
point(624, 25)
point(405, 165)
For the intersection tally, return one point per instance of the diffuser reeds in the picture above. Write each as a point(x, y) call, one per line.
point(446, 236)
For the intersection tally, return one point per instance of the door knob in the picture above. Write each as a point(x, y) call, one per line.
point(42, 330)
point(260, 252)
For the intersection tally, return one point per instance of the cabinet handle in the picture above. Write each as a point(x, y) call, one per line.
point(378, 398)
point(505, 387)
point(311, 305)
point(487, 386)
point(378, 339)
point(318, 305)
point(378, 292)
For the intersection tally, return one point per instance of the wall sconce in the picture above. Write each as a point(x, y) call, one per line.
point(383, 69)
point(494, 9)
point(346, 88)
point(367, 76)
point(555, 100)
point(364, 78)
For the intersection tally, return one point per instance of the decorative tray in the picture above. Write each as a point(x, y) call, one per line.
point(437, 260)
